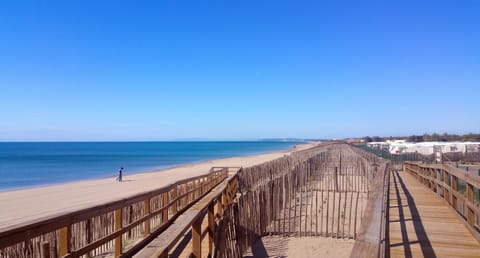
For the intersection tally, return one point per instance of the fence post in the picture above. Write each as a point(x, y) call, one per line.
point(175, 201)
point(446, 193)
point(118, 226)
point(64, 244)
point(185, 197)
point(194, 191)
point(454, 189)
point(165, 206)
point(470, 212)
point(220, 205)
point(335, 178)
point(454, 183)
point(146, 211)
point(211, 228)
point(88, 233)
point(197, 238)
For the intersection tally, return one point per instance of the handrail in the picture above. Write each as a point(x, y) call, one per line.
point(371, 240)
point(461, 174)
point(212, 206)
point(446, 181)
point(144, 214)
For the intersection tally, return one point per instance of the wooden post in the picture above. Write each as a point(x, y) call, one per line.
point(225, 198)
point(328, 210)
point(211, 229)
point(64, 244)
point(333, 214)
point(185, 197)
point(316, 207)
point(323, 212)
point(219, 206)
point(165, 210)
point(470, 212)
point(335, 179)
point(454, 189)
point(350, 216)
point(313, 191)
point(355, 221)
point(446, 191)
point(338, 213)
point(454, 183)
point(290, 199)
point(146, 211)
point(284, 204)
point(197, 238)
point(118, 226)
point(295, 205)
point(470, 193)
point(175, 201)
point(344, 213)
point(301, 201)
point(45, 249)
point(88, 233)
point(194, 190)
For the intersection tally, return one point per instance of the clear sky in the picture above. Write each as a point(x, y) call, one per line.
point(160, 70)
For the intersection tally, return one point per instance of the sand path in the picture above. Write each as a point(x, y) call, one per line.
point(20, 207)
point(293, 247)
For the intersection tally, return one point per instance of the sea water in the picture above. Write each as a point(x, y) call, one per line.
point(27, 164)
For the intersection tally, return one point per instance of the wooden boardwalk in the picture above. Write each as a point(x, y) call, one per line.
point(422, 225)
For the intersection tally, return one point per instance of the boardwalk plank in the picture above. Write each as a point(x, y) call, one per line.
point(421, 224)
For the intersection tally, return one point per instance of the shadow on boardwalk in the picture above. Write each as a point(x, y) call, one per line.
point(421, 235)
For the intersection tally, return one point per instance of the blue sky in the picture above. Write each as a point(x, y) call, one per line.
point(159, 70)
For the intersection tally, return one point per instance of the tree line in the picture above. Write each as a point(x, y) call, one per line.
point(428, 138)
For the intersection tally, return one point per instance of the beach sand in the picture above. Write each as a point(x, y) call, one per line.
point(292, 247)
point(20, 207)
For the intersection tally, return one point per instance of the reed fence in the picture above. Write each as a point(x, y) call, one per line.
point(323, 191)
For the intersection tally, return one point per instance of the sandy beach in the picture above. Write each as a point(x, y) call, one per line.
point(24, 206)
point(293, 247)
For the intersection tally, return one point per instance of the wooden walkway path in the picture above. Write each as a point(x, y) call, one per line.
point(422, 225)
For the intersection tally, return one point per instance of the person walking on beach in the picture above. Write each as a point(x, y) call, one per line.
point(119, 178)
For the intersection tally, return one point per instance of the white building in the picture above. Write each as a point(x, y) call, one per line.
point(425, 148)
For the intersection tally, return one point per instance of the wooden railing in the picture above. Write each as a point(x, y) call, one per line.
point(201, 219)
point(371, 240)
point(120, 228)
point(459, 188)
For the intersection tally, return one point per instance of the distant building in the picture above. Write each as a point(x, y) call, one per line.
point(425, 148)
point(355, 140)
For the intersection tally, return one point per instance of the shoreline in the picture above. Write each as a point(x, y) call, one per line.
point(31, 204)
point(140, 170)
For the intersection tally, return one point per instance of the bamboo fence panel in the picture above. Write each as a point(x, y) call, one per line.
point(318, 192)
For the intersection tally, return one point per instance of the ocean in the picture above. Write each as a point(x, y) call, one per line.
point(29, 164)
